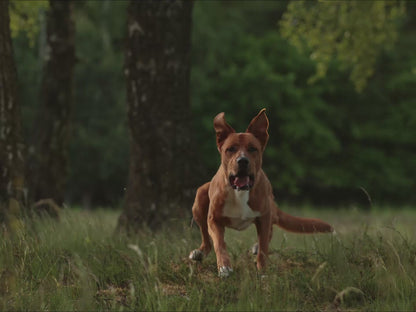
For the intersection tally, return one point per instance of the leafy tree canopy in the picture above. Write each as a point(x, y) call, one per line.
point(353, 31)
point(25, 16)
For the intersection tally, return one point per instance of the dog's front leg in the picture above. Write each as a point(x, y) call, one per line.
point(263, 226)
point(216, 231)
point(200, 214)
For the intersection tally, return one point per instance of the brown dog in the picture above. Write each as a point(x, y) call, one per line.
point(240, 194)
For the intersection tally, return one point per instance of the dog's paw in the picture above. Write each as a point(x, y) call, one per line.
point(196, 255)
point(224, 271)
point(255, 249)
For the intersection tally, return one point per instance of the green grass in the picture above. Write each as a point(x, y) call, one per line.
point(78, 264)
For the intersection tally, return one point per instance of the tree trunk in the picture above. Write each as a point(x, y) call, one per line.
point(12, 182)
point(49, 153)
point(157, 70)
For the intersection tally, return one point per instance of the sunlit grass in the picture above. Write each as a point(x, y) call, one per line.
point(79, 264)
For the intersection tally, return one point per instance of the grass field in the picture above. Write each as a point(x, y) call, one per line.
point(78, 264)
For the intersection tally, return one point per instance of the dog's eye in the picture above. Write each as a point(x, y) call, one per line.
point(231, 149)
point(252, 149)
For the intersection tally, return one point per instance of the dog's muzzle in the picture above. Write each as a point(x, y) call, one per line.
point(241, 182)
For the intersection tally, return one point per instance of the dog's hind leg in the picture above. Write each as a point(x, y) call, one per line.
point(255, 247)
point(264, 234)
point(274, 220)
point(200, 214)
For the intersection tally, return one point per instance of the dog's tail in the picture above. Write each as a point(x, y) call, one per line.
point(301, 225)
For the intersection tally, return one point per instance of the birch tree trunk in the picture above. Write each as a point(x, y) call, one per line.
point(157, 70)
point(12, 181)
point(49, 153)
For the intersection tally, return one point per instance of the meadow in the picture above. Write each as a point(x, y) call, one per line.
point(79, 264)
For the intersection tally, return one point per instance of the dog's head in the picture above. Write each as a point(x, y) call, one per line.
point(241, 153)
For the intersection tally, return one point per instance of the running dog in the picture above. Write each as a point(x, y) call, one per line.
point(240, 194)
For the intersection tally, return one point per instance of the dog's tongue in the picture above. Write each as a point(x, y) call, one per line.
point(242, 181)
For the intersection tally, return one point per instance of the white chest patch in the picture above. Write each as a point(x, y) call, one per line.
point(236, 208)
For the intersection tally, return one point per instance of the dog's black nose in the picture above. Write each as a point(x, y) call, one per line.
point(243, 161)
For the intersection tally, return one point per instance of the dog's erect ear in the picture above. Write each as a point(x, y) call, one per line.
point(222, 129)
point(258, 127)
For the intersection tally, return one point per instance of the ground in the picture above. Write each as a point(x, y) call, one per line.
point(78, 263)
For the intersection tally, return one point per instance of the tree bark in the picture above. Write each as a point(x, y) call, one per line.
point(49, 152)
point(12, 181)
point(157, 71)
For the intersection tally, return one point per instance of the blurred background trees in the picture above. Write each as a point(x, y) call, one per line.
point(331, 141)
point(328, 142)
point(12, 149)
point(48, 147)
point(355, 32)
point(157, 73)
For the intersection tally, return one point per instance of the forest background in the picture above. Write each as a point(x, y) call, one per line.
point(330, 143)
point(117, 100)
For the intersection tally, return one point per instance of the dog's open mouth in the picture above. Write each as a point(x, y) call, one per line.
point(241, 182)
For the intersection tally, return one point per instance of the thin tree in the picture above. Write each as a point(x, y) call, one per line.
point(49, 164)
point(157, 70)
point(12, 161)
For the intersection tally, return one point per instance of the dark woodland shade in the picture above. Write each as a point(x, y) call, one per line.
point(49, 155)
point(328, 145)
point(157, 70)
point(12, 182)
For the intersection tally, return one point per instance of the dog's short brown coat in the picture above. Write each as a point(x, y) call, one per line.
point(240, 194)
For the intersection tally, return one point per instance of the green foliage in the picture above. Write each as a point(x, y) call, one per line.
point(353, 31)
point(99, 146)
point(27, 17)
point(326, 141)
point(98, 155)
point(78, 264)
